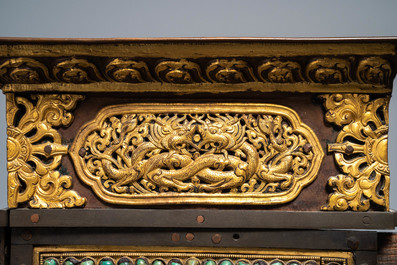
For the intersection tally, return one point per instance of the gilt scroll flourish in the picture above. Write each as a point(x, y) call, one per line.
point(230, 71)
point(23, 70)
point(329, 71)
point(131, 152)
point(360, 151)
point(374, 70)
point(276, 71)
point(179, 72)
point(122, 70)
point(77, 71)
point(35, 150)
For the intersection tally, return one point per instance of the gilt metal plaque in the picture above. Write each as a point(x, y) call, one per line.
point(259, 154)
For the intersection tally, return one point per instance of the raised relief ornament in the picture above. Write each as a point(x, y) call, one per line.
point(260, 154)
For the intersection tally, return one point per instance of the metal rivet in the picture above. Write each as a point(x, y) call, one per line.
point(216, 239)
point(82, 152)
point(189, 236)
point(200, 219)
point(34, 218)
point(48, 149)
point(175, 237)
point(366, 220)
point(353, 243)
point(26, 235)
point(307, 148)
point(349, 149)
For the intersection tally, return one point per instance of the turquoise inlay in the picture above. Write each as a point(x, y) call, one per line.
point(210, 262)
point(87, 262)
point(50, 262)
point(141, 262)
point(226, 262)
point(192, 262)
point(106, 262)
point(158, 262)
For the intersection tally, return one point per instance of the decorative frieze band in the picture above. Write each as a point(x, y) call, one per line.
point(373, 70)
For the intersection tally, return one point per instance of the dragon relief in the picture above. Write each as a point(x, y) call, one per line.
point(127, 155)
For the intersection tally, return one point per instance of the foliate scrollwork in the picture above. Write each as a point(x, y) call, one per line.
point(76, 71)
point(374, 70)
point(230, 71)
point(276, 71)
point(360, 151)
point(130, 153)
point(179, 72)
point(329, 71)
point(35, 150)
point(123, 70)
point(23, 70)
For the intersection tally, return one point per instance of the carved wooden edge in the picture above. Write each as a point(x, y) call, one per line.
point(200, 65)
point(387, 249)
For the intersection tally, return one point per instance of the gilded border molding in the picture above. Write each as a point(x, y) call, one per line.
point(253, 154)
point(35, 150)
point(373, 70)
point(108, 255)
point(360, 151)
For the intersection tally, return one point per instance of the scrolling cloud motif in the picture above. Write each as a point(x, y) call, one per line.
point(230, 71)
point(121, 70)
point(76, 71)
point(329, 71)
point(179, 72)
point(23, 70)
point(275, 71)
point(374, 70)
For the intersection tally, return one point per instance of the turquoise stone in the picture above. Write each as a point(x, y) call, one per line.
point(50, 262)
point(175, 263)
point(125, 263)
point(226, 262)
point(192, 262)
point(141, 262)
point(158, 262)
point(68, 262)
point(210, 262)
point(293, 263)
point(106, 262)
point(87, 262)
point(276, 263)
point(242, 263)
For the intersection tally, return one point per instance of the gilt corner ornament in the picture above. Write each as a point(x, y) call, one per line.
point(360, 151)
point(250, 154)
point(35, 150)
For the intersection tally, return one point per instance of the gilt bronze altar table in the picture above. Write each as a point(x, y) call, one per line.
point(198, 151)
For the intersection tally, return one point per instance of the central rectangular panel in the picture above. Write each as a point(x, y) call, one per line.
point(234, 154)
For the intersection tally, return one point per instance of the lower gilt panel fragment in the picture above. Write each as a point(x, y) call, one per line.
point(208, 154)
point(360, 151)
point(185, 256)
